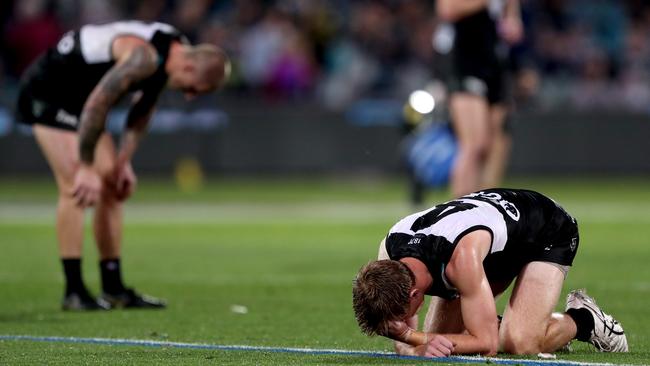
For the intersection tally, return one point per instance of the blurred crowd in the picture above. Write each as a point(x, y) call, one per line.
point(578, 53)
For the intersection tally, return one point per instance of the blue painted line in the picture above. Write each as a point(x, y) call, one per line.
point(307, 351)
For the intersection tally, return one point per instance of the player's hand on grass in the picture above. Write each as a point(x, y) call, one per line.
point(424, 344)
point(87, 186)
point(438, 346)
point(125, 181)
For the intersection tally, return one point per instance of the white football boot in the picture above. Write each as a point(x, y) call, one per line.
point(608, 334)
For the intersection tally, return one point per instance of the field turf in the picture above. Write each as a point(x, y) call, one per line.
point(287, 250)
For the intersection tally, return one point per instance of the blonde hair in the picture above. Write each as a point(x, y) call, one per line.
point(380, 294)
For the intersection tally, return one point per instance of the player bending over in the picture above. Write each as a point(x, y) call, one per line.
point(66, 95)
point(465, 253)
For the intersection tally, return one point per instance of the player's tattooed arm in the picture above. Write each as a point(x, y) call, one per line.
point(137, 122)
point(134, 65)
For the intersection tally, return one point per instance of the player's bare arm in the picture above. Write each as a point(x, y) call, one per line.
point(401, 347)
point(137, 122)
point(453, 10)
point(408, 339)
point(136, 125)
point(465, 271)
point(136, 60)
point(416, 343)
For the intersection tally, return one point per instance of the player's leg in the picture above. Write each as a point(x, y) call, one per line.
point(108, 211)
point(499, 148)
point(60, 148)
point(469, 113)
point(529, 325)
point(108, 223)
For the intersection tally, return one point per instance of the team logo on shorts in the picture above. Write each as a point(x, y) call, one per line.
point(474, 85)
point(574, 244)
point(66, 118)
point(38, 108)
point(66, 44)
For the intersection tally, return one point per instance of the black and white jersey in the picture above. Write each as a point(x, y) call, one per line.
point(62, 79)
point(525, 226)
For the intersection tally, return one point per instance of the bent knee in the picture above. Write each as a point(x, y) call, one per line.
point(106, 169)
point(520, 342)
point(492, 349)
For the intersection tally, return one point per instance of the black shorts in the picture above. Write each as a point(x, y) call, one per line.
point(42, 99)
point(486, 78)
point(559, 248)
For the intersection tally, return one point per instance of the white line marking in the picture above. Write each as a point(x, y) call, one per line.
point(309, 351)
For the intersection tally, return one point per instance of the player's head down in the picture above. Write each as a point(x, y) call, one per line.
point(204, 68)
point(381, 293)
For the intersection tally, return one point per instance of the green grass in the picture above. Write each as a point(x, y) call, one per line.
point(287, 250)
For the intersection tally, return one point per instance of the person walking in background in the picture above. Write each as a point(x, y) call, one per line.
point(474, 37)
point(66, 95)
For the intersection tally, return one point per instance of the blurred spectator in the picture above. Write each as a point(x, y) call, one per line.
point(189, 16)
point(261, 47)
point(587, 51)
point(148, 10)
point(294, 71)
point(32, 29)
point(100, 11)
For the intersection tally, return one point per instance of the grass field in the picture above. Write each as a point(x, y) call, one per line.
point(287, 251)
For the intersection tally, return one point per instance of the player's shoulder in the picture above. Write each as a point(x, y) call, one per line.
point(130, 27)
point(125, 43)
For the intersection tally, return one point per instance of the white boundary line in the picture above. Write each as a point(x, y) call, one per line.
point(308, 351)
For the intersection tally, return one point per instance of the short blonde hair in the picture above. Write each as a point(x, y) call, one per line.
point(380, 294)
point(212, 63)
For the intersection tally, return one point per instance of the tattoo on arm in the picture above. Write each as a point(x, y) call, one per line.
point(139, 64)
point(142, 109)
point(136, 123)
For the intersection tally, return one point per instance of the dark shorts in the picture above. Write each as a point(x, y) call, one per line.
point(484, 78)
point(560, 249)
point(42, 101)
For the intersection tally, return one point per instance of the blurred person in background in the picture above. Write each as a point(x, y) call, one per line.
point(32, 29)
point(66, 95)
point(474, 35)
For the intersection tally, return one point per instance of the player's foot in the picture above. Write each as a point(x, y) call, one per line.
point(76, 301)
point(131, 299)
point(608, 334)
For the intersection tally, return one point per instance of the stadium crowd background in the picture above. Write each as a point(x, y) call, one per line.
point(588, 53)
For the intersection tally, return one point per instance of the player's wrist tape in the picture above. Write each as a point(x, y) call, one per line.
point(416, 338)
